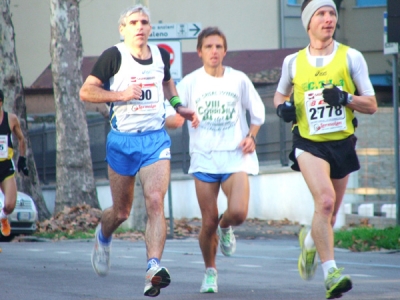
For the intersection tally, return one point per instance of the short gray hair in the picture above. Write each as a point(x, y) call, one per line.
point(131, 10)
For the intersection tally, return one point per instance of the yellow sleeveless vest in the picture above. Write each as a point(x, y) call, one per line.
point(316, 120)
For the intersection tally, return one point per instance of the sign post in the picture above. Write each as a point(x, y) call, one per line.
point(393, 48)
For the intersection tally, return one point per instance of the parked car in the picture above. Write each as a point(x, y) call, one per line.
point(23, 218)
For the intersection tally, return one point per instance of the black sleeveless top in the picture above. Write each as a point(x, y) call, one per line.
point(5, 129)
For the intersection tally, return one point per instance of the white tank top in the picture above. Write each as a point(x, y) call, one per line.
point(148, 112)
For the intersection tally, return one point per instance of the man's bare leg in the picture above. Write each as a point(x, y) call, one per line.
point(122, 189)
point(207, 194)
point(155, 179)
point(236, 189)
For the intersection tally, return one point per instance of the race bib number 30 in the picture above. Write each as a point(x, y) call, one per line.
point(322, 117)
point(148, 102)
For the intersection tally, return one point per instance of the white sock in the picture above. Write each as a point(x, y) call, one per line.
point(327, 265)
point(3, 215)
point(225, 230)
point(309, 242)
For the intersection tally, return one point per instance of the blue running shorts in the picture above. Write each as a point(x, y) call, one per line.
point(128, 152)
point(208, 177)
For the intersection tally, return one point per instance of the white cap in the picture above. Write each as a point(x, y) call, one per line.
point(312, 7)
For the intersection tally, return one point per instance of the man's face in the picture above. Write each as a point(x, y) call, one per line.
point(323, 23)
point(212, 51)
point(137, 29)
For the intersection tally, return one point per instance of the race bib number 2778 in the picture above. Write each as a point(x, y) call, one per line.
point(322, 117)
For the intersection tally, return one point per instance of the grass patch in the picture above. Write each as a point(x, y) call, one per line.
point(62, 235)
point(368, 239)
point(75, 235)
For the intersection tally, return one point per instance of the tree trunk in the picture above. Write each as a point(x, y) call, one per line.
point(74, 174)
point(14, 101)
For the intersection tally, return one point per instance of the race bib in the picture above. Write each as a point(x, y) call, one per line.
point(148, 103)
point(322, 117)
point(3, 146)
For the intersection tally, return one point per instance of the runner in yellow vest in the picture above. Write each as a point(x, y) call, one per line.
point(322, 80)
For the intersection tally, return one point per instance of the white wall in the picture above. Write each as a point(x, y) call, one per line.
point(276, 194)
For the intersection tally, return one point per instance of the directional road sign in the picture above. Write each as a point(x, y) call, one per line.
point(171, 31)
point(388, 48)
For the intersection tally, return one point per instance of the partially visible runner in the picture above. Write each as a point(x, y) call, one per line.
point(134, 79)
point(324, 78)
point(9, 124)
point(222, 148)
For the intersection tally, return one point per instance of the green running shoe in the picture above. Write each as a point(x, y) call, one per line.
point(227, 241)
point(209, 284)
point(308, 258)
point(336, 284)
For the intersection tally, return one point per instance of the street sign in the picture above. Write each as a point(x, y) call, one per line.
point(388, 48)
point(174, 49)
point(171, 31)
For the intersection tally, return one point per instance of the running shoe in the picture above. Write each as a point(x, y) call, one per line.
point(336, 284)
point(156, 278)
point(227, 241)
point(209, 284)
point(100, 255)
point(5, 227)
point(308, 258)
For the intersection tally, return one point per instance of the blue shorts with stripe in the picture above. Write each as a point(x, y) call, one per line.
point(208, 177)
point(128, 152)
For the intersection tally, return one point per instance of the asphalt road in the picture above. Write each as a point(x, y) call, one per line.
point(260, 269)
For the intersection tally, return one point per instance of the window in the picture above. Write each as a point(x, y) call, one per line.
point(361, 3)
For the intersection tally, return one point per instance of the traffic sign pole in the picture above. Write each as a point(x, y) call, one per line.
point(393, 48)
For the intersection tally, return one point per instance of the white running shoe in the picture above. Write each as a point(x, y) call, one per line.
point(156, 278)
point(209, 284)
point(227, 241)
point(100, 255)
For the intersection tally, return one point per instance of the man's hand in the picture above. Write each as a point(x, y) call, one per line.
point(134, 91)
point(174, 121)
point(286, 111)
point(188, 114)
point(335, 97)
point(22, 165)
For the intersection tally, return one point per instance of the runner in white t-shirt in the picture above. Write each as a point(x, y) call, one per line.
point(222, 147)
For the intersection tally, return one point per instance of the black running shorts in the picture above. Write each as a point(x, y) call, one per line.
point(341, 155)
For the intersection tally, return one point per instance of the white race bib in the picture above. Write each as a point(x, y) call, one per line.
point(148, 102)
point(322, 117)
point(3, 146)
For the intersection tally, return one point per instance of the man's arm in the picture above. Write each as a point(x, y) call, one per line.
point(170, 92)
point(16, 130)
point(173, 120)
point(92, 91)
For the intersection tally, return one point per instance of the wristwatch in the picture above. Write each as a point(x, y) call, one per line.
point(349, 98)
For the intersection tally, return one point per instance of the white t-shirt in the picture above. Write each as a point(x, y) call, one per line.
point(221, 104)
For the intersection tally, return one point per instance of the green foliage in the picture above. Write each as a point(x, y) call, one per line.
point(368, 239)
point(75, 235)
point(62, 235)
